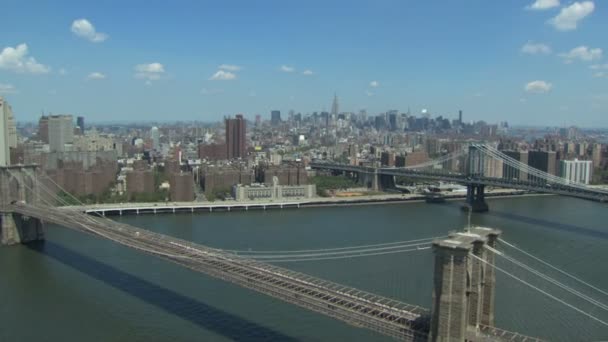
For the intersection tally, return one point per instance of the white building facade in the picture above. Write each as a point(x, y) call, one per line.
point(61, 132)
point(5, 154)
point(579, 171)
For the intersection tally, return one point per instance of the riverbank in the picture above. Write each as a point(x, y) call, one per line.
point(192, 207)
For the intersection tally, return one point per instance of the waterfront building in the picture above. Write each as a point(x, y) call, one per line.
point(579, 171)
point(512, 173)
point(273, 192)
point(220, 178)
point(182, 187)
point(139, 182)
point(543, 160)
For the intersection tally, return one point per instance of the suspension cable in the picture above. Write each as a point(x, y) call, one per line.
point(367, 250)
point(332, 249)
point(345, 256)
point(553, 267)
point(549, 279)
point(541, 291)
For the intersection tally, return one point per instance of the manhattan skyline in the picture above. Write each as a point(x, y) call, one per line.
point(526, 62)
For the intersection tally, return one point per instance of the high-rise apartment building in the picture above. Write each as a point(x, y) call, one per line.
point(5, 111)
point(596, 155)
point(182, 187)
point(543, 161)
point(579, 171)
point(275, 117)
point(43, 129)
point(61, 132)
point(512, 173)
point(235, 137)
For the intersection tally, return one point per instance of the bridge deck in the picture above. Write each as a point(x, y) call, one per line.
point(386, 316)
point(360, 308)
point(455, 177)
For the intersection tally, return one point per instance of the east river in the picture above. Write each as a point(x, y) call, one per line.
point(76, 287)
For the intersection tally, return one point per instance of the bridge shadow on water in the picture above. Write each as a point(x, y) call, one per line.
point(565, 227)
point(201, 314)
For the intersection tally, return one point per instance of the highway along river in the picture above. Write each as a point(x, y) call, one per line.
point(75, 287)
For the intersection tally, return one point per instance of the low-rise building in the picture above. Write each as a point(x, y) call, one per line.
point(273, 192)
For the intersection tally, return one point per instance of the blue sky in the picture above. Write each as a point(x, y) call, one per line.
point(155, 60)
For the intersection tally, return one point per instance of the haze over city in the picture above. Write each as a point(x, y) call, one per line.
point(531, 63)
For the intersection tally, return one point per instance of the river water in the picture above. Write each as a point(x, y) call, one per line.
point(75, 287)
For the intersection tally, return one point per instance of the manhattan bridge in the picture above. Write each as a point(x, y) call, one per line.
point(465, 266)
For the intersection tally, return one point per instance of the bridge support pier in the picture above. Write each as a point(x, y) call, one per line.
point(476, 199)
point(371, 180)
point(463, 293)
point(15, 229)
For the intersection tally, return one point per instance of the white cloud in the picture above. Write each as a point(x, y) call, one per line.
point(568, 17)
point(538, 87)
point(17, 60)
point(222, 75)
point(583, 53)
point(369, 93)
point(532, 48)
point(84, 29)
point(307, 72)
point(286, 68)
point(149, 72)
point(96, 76)
point(540, 5)
point(62, 71)
point(229, 67)
point(374, 84)
point(7, 89)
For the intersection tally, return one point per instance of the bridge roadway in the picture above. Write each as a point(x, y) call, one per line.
point(363, 309)
point(552, 188)
point(356, 307)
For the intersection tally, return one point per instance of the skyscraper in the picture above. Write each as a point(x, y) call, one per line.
point(61, 132)
point(235, 137)
point(12, 129)
point(155, 135)
point(43, 129)
point(5, 155)
point(275, 117)
point(460, 117)
point(334, 107)
point(80, 124)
